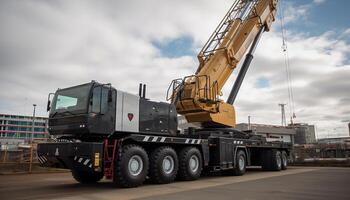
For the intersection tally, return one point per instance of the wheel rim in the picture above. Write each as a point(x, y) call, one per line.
point(135, 165)
point(285, 161)
point(168, 164)
point(194, 163)
point(279, 162)
point(241, 163)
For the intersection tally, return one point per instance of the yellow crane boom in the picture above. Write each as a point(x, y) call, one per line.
point(197, 96)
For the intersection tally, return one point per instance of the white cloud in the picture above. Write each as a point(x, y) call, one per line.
point(320, 79)
point(46, 45)
point(319, 1)
point(296, 13)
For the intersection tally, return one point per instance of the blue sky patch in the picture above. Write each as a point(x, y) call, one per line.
point(330, 15)
point(262, 83)
point(178, 47)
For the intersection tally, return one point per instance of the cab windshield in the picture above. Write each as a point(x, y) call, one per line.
point(73, 100)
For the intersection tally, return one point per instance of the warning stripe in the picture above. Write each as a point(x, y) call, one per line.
point(41, 162)
point(146, 138)
point(86, 161)
point(155, 139)
point(163, 139)
point(42, 159)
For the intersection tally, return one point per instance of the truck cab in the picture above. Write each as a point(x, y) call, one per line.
point(95, 110)
point(82, 110)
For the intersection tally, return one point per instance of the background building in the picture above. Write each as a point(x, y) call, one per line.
point(17, 129)
point(335, 140)
point(305, 133)
point(271, 132)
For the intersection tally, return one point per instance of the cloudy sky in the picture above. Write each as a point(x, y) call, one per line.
point(45, 45)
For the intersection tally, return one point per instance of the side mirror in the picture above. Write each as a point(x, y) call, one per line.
point(48, 107)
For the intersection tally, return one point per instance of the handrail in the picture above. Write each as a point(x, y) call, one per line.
point(240, 9)
point(209, 91)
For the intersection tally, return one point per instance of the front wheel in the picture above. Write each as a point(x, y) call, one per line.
point(131, 166)
point(85, 177)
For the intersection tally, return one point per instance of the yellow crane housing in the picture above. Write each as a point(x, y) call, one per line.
point(197, 96)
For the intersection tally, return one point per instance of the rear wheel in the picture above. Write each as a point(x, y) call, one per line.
point(131, 166)
point(284, 160)
point(272, 160)
point(85, 177)
point(190, 164)
point(241, 161)
point(277, 161)
point(163, 165)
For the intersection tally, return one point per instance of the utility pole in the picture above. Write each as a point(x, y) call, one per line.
point(249, 127)
point(33, 121)
point(283, 112)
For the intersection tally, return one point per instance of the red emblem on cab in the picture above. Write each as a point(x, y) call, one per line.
point(130, 116)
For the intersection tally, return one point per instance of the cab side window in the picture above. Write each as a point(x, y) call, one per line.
point(104, 100)
point(96, 100)
point(100, 100)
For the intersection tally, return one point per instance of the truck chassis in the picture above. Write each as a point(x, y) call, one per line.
point(128, 159)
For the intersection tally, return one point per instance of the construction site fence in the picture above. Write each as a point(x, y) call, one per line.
point(22, 159)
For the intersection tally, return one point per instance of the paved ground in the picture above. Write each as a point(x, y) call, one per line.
point(295, 183)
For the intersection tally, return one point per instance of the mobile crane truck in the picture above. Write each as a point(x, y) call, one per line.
point(105, 132)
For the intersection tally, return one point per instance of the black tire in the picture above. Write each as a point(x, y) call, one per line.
point(124, 175)
point(272, 160)
point(241, 161)
point(187, 169)
point(284, 160)
point(157, 172)
point(86, 177)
